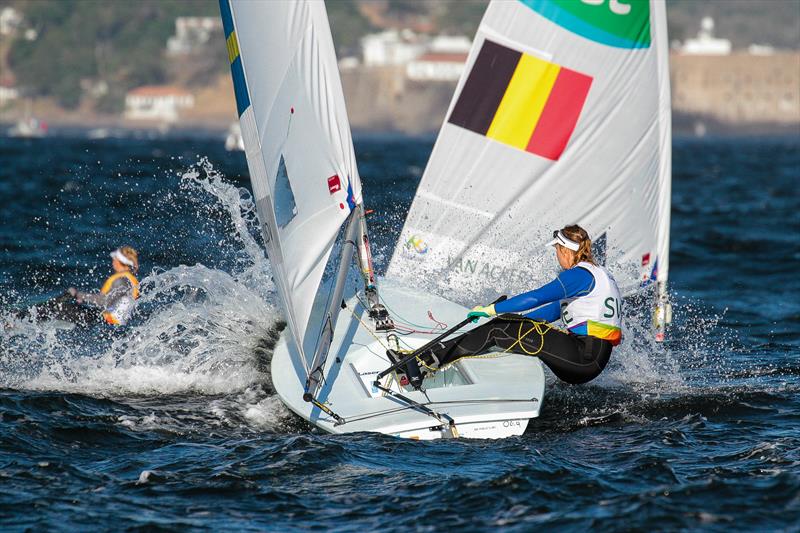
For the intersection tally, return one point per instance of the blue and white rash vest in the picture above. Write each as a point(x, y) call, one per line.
point(585, 298)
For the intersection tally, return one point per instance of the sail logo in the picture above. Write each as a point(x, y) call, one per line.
point(416, 244)
point(521, 100)
point(334, 184)
point(648, 274)
point(617, 23)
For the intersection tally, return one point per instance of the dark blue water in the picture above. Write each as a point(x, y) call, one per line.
point(172, 423)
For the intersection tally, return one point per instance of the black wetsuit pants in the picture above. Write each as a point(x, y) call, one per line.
point(63, 307)
point(572, 358)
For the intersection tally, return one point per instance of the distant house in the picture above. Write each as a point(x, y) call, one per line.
point(391, 48)
point(450, 44)
point(10, 20)
point(193, 34)
point(7, 94)
point(706, 44)
point(437, 67)
point(157, 102)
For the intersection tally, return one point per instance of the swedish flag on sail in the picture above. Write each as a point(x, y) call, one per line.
point(237, 71)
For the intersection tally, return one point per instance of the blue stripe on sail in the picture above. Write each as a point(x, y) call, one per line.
point(227, 17)
point(240, 86)
point(351, 197)
point(572, 23)
point(237, 70)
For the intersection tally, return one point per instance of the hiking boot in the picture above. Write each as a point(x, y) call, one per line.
point(409, 373)
point(429, 359)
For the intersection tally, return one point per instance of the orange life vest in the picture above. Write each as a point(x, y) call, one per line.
point(107, 315)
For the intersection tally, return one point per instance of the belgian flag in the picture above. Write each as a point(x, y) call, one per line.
point(521, 100)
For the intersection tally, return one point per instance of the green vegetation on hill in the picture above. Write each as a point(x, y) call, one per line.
point(121, 43)
point(348, 25)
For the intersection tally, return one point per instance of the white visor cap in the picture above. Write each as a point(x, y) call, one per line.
point(118, 255)
point(563, 240)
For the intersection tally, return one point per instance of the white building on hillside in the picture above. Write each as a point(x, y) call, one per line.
point(10, 20)
point(7, 93)
point(437, 67)
point(450, 44)
point(391, 48)
point(757, 49)
point(157, 102)
point(705, 43)
point(193, 33)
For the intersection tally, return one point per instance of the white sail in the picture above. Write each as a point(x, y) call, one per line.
point(297, 141)
point(561, 116)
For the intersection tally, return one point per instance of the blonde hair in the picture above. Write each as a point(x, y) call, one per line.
point(131, 254)
point(578, 234)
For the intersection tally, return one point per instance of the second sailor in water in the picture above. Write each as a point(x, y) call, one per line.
point(117, 297)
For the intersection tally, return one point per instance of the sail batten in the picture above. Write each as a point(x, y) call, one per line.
point(561, 116)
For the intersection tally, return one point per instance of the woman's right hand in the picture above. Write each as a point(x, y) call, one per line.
point(75, 294)
point(481, 311)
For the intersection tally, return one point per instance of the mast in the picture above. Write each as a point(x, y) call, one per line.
point(662, 312)
point(334, 306)
point(377, 311)
point(355, 237)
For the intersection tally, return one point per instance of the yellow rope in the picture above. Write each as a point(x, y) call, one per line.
point(539, 327)
point(369, 330)
point(366, 327)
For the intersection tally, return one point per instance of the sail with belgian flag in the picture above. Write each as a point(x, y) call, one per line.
point(562, 116)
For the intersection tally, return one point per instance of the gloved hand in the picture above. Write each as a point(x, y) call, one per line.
point(75, 293)
point(481, 311)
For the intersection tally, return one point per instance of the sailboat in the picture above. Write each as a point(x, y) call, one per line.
point(28, 126)
point(562, 111)
point(233, 140)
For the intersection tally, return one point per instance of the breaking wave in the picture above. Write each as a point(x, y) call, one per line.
point(198, 329)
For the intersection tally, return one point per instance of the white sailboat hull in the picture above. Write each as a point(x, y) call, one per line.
point(492, 397)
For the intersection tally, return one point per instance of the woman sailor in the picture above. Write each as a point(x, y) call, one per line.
point(584, 296)
point(118, 294)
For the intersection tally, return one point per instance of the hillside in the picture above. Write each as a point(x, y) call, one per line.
point(108, 47)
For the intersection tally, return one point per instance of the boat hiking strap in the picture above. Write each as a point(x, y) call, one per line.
point(450, 424)
point(430, 344)
point(539, 327)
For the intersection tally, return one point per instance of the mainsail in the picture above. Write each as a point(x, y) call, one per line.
point(298, 144)
point(562, 116)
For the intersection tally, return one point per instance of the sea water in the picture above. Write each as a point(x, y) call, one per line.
point(172, 422)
